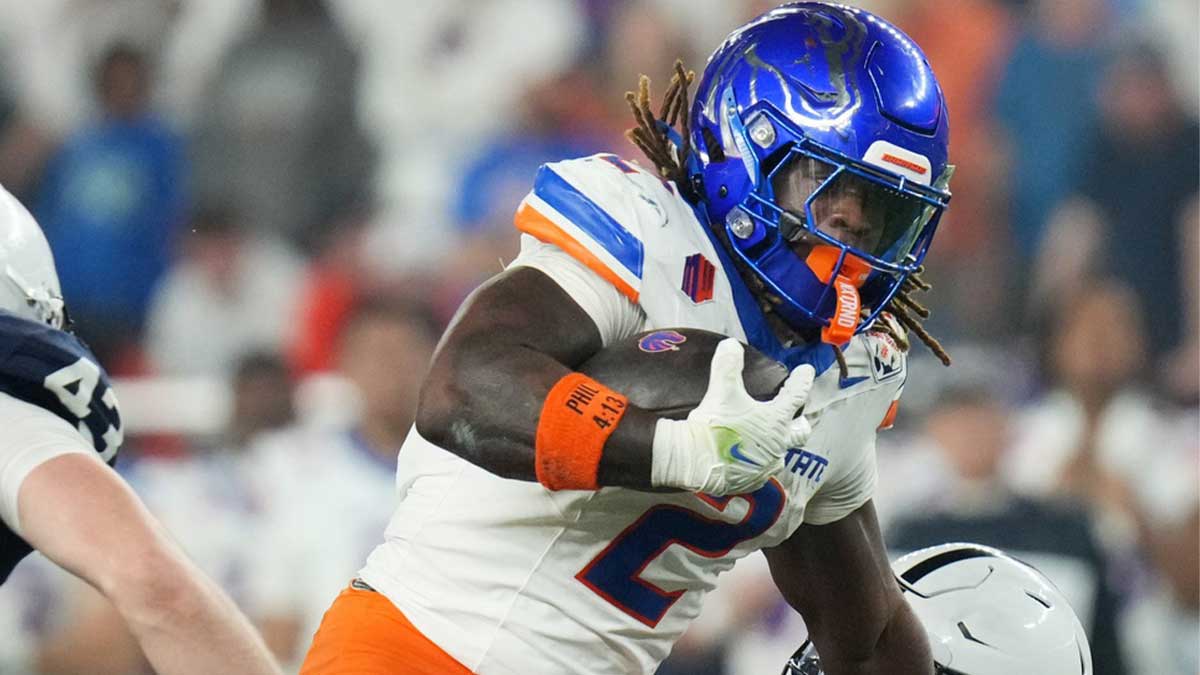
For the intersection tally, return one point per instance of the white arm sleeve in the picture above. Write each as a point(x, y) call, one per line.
point(614, 314)
point(31, 436)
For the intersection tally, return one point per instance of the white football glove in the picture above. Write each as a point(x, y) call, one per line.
point(731, 443)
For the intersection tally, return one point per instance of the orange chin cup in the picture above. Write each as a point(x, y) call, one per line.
point(849, 278)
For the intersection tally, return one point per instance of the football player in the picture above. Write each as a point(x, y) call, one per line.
point(986, 614)
point(546, 525)
point(59, 494)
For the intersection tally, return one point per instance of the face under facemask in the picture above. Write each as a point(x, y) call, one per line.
point(870, 218)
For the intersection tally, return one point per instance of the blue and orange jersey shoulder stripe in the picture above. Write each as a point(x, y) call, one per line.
point(566, 208)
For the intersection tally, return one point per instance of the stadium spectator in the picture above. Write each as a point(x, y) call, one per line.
point(1091, 433)
point(333, 283)
point(229, 293)
point(1164, 618)
point(431, 98)
point(966, 437)
point(280, 142)
point(1103, 436)
point(110, 202)
point(1057, 57)
point(327, 493)
point(645, 38)
point(550, 124)
point(262, 399)
point(1180, 368)
point(23, 148)
point(560, 117)
point(1139, 172)
point(968, 42)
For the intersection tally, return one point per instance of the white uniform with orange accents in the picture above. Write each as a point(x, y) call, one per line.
point(509, 577)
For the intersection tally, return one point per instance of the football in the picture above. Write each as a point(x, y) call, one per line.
point(666, 371)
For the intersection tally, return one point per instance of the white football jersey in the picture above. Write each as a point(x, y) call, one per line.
point(509, 577)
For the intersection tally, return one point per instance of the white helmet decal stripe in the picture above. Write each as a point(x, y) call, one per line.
point(895, 159)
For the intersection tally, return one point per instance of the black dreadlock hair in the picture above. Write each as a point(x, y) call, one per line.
point(650, 136)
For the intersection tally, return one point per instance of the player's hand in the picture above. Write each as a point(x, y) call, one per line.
point(731, 443)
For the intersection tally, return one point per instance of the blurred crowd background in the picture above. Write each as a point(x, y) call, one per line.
point(264, 212)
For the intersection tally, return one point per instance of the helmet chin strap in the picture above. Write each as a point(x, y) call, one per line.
point(846, 314)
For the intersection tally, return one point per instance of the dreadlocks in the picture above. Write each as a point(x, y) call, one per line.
point(650, 136)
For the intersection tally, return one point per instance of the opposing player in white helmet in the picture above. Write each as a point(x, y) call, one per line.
point(58, 494)
point(986, 613)
point(30, 282)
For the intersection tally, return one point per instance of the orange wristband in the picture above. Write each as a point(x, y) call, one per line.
point(577, 417)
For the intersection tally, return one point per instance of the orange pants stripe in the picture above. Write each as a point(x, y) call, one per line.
point(364, 634)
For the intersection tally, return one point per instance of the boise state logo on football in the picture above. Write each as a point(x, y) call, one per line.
point(662, 341)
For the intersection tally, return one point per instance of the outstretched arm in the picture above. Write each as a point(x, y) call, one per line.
point(82, 516)
point(838, 577)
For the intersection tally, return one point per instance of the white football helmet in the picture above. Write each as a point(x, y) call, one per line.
point(28, 279)
point(986, 613)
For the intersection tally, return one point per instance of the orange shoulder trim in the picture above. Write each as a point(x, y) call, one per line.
point(531, 221)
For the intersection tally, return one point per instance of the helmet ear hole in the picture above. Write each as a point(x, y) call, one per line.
point(1038, 599)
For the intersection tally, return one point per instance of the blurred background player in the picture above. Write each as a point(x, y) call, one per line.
point(113, 193)
point(61, 498)
point(230, 292)
point(325, 492)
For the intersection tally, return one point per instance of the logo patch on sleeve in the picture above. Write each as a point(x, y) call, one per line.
point(887, 361)
point(662, 341)
point(698, 277)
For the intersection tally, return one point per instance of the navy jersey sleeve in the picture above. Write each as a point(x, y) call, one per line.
point(53, 370)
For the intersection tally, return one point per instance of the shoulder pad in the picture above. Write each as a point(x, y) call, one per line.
point(53, 370)
point(596, 209)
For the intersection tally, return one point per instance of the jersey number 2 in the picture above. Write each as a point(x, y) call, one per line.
point(615, 574)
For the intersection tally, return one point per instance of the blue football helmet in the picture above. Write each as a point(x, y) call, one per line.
point(819, 142)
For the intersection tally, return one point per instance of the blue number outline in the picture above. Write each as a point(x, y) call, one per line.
point(608, 574)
